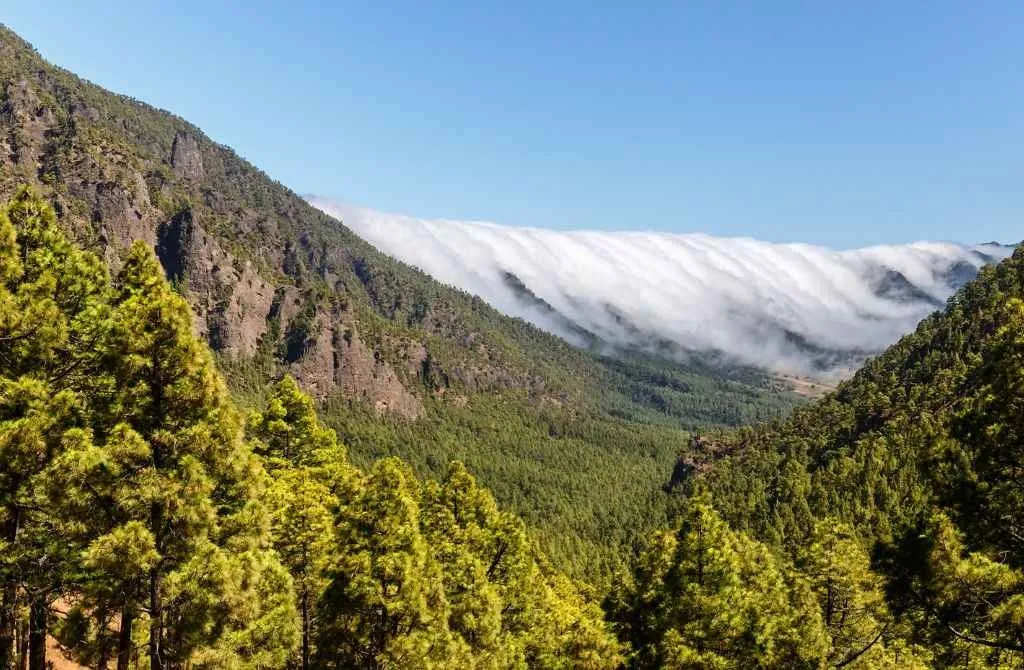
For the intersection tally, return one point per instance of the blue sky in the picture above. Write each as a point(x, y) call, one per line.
point(846, 125)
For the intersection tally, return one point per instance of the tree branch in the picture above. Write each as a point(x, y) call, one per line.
point(855, 656)
point(1008, 646)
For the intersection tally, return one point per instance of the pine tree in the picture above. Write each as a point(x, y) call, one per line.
point(862, 632)
point(505, 602)
point(86, 485)
point(705, 596)
point(304, 536)
point(386, 607)
point(976, 600)
point(991, 500)
point(187, 491)
point(288, 431)
point(310, 471)
point(461, 527)
point(52, 301)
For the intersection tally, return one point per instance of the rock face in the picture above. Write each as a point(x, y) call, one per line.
point(337, 358)
point(682, 472)
point(121, 214)
point(34, 119)
point(107, 203)
point(359, 370)
point(699, 456)
point(266, 275)
point(186, 159)
point(234, 307)
point(230, 300)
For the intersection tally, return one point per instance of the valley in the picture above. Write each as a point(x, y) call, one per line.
point(403, 365)
point(242, 429)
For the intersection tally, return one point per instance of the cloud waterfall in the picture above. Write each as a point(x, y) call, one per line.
point(794, 308)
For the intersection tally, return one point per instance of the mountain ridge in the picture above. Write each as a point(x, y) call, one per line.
point(919, 454)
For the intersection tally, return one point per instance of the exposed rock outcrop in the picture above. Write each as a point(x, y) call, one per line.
point(231, 301)
point(361, 370)
point(254, 262)
point(32, 119)
point(701, 453)
point(186, 159)
point(336, 359)
point(121, 216)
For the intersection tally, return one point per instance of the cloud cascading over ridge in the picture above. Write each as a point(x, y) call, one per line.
point(787, 307)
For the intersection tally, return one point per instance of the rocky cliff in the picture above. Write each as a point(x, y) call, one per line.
point(265, 273)
point(110, 191)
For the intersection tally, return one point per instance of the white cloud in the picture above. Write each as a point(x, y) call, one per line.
point(788, 307)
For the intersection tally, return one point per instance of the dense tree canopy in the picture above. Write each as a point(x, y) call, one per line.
point(52, 302)
point(878, 528)
point(704, 596)
point(133, 491)
point(901, 492)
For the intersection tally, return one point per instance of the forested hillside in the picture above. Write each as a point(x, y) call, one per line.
point(574, 442)
point(233, 435)
point(135, 494)
point(895, 503)
point(875, 529)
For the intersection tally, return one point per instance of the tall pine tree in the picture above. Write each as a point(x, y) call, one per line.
point(52, 307)
point(705, 596)
point(187, 498)
point(310, 472)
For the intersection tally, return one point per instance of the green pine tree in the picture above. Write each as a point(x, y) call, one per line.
point(507, 605)
point(288, 431)
point(52, 307)
point(310, 471)
point(976, 600)
point(862, 632)
point(705, 596)
point(386, 607)
point(190, 482)
point(304, 536)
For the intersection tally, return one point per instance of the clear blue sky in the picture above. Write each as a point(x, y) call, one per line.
point(862, 124)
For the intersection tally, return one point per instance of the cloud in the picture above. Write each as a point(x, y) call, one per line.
point(787, 307)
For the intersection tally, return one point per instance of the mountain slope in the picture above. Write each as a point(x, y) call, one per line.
point(254, 259)
point(404, 365)
point(921, 451)
point(793, 308)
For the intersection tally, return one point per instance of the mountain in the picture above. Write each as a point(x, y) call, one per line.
point(876, 529)
point(791, 308)
point(269, 276)
point(879, 527)
point(920, 455)
point(401, 364)
point(140, 511)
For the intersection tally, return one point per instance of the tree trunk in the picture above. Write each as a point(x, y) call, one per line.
point(103, 638)
point(23, 645)
point(39, 612)
point(124, 638)
point(156, 621)
point(156, 526)
point(305, 630)
point(103, 662)
point(8, 622)
point(9, 601)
